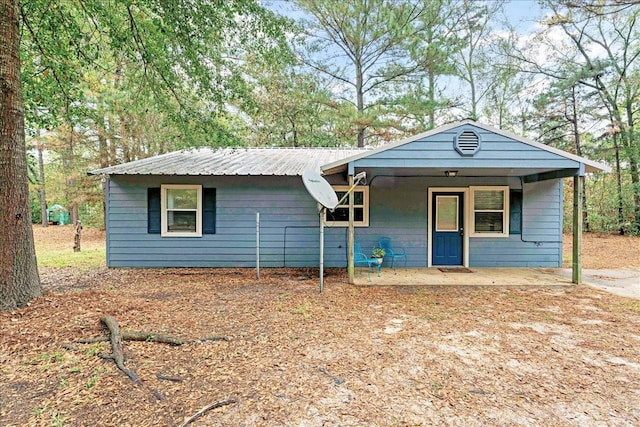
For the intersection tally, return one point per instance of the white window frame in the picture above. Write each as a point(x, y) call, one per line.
point(365, 207)
point(504, 210)
point(164, 232)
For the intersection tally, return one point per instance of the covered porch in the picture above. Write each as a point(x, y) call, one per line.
point(467, 195)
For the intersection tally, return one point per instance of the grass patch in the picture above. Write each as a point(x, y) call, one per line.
point(305, 309)
point(632, 305)
point(85, 260)
point(54, 248)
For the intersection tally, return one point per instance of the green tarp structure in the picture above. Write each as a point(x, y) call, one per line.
point(57, 214)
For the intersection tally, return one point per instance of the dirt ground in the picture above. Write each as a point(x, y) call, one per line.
point(55, 237)
point(605, 251)
point(352, 356)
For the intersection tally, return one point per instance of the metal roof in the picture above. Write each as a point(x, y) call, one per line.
point(233, 161)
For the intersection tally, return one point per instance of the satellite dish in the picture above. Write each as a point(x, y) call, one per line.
point(320, 189)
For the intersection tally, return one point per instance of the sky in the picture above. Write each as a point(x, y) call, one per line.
point(523, 13)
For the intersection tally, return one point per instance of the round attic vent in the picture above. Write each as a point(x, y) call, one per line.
point(467, 143)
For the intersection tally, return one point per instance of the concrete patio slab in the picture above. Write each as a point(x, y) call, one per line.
point(621, 282)
point(485, 276)
point(624, 283)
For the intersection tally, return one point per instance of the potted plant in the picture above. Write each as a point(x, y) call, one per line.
point(378, 253)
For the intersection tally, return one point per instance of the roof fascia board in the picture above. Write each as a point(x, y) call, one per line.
point(560, 173)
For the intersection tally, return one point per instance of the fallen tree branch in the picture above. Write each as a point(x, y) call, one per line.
point(116, 347)
point(116, 337)
point(207, 409)
point(169, 378)
point(150, 337)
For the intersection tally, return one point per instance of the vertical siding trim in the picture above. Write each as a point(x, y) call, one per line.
point(107, 210)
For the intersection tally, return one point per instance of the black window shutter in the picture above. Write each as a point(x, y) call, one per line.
point(208, 211)
point(515, 212)
point(153, 210)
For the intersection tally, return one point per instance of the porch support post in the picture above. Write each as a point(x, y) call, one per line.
point(578, 184)
point(350, 234)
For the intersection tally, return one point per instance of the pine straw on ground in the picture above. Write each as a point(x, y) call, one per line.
point(601, 250)
point(350, 356)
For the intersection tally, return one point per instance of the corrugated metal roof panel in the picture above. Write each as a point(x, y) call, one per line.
point(233, 161)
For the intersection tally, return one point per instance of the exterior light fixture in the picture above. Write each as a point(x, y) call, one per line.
point(450, 174)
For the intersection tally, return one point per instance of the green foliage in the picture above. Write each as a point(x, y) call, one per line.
point(91, 214)
point(377, 252)
point(603, 206)
point(34, 207)
point(289, 108)
point(305, 309)
point(92, 382)
point(376, 51)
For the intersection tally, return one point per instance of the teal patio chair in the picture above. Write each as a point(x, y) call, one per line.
point(361, 259)
point(394, 254)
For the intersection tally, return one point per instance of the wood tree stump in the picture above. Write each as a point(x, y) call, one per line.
point(76, 238)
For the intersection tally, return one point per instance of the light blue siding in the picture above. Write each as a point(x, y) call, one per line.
point(436, 151)
point(539, 245)
point(399, 180)
point(398, 209)
point(288, 216)
point(290, 232)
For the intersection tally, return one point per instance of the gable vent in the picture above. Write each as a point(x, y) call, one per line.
point(467, 143)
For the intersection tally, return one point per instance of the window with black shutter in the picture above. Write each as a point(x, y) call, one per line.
point(181, 217)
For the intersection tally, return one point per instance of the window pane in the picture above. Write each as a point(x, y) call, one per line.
point(447, 213)
point(358, 198)
point(488, 200)
point(488, 222)
point(342, 214)
point(181, 221)
point(182, 199)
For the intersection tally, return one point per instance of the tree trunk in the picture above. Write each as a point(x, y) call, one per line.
point(432, 99)
point(619, 185)
point(360, 104)
point(103, 147)
point(43, 193)
point(576, 138)
point(19, 280)
point(68, 162)
point(634, 171)
point(77, 237)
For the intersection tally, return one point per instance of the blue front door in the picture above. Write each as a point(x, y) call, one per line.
point(448, 220)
